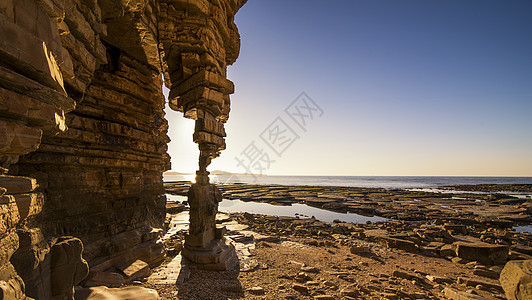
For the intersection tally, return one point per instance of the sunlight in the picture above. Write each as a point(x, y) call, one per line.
point(190, 177)
point(183, 151)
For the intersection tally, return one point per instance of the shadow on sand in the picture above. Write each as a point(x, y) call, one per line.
point(210, 285)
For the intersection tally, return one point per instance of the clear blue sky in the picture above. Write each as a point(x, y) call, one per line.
point(406, 88)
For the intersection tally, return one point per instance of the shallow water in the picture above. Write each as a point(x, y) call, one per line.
point(176, 198)
point(294, 210)
point(523, 228)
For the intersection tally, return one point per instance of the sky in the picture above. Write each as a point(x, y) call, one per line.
point(391, 88)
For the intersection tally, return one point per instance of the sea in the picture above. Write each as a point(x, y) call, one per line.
point(397, 182)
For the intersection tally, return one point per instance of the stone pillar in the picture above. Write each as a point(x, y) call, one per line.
point(205, 244)
point(198, 41)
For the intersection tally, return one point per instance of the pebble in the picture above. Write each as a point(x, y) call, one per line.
point(359, 250)
point(458, 260)
point(472, 291)
point(300, 288)
point(389, 296)
point(310, 269)
point(312, 283)
point(438, 279)
point(302, 277)
point(293, 262)
point(349, 292)
point(232, 288)
point(256, 290)
point(324, 297)
point(328, 283)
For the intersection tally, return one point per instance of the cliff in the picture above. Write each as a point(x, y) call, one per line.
point(82, 128)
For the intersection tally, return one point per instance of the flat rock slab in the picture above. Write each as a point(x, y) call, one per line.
point(135, 270)
point(455, 294)
point(291, 244)
point(17, 184)
point(475, 282)
point(105, 293)
point(174, 272)
point(487, 254)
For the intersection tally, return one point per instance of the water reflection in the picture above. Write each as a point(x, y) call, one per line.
point(175, 198)
point(294, 210)
point(523, 228)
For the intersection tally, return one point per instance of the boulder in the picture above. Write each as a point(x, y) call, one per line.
point(487, 254)
point(67, 266)
point(104, 293)
point(516, 279)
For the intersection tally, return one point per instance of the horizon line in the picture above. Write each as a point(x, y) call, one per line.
point(317, 175)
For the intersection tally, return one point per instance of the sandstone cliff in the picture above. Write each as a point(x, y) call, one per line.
point(82, 128)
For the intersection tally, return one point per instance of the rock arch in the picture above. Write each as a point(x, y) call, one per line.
point(82, 128)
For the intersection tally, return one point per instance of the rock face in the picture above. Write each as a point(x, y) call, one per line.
point(82, 129)
point(516, 279)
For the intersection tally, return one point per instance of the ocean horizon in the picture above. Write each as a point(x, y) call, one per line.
point(400, 182)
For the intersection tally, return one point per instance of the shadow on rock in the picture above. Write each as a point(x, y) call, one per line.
point(211, 285)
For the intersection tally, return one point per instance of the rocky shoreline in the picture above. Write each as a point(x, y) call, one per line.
point(435, 246)
point(482, 210)
point(493, 188)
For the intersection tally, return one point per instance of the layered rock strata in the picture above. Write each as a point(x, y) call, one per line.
point(195, 71)
point(82, 129)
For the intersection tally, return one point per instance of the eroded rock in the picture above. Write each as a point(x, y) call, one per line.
point(82, 127)
point(516, 279)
